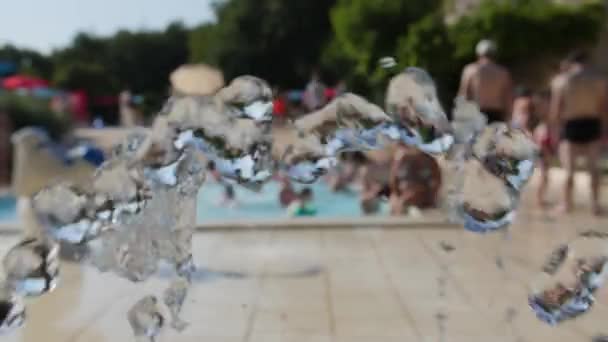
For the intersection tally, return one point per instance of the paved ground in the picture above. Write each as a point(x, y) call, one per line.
point(340, 285)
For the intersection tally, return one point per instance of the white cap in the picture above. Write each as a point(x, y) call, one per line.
point(485, 47)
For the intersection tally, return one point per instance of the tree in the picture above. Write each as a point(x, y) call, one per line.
point(139, 61)
point(366, 30)
point(427, 45)
point(27, 61)
point(531, 34)
point(525, 31)
point(280, 41)
point(522, 27)
point(90, 76)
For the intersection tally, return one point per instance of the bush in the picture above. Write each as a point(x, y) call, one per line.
point(428, 46)
point(27, 111)
point(530, 34)
point(528, 29)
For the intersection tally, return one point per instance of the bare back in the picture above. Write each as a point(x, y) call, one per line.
point(582, 94)
point(488, 84)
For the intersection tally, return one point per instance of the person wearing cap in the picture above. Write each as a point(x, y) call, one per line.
point(578, 116)
point(488, 83)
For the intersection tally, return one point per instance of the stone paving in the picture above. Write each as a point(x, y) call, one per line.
point(336, 285)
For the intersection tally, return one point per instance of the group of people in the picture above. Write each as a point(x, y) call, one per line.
point(568, 120)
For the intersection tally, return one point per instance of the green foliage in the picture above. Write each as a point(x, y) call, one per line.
point(92, 77)
point(427, 45)
point(282, 41)
point(366, 30)
point(278, 40)
point(203, 45)
point(139, 61)
point(29, 61)
point(528, 29)
point(27, 111)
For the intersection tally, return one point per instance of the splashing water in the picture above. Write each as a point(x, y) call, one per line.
point(32, 267)
point(139, 207)
point(570, 277)
point(174, 297)
point(413, 104)
point(145, 319)
point(12, 310)
point(485, 171)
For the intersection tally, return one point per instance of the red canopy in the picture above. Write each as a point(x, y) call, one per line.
point(24, 81)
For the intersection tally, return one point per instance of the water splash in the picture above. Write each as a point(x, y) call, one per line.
point(174, 297)
point(570, 277)
point(12, 310)
point(145, 319)
point(413, 104)
point(140, 206)
point(32, 267)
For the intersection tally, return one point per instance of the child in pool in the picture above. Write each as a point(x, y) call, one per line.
point(287, 194)
point(302, 205)
point(229, 199)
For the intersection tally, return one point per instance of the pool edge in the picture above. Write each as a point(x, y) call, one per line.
point(12, 228)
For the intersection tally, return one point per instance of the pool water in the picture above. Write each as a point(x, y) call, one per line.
point(250, 205)
point(8, 208)
point(265, 204)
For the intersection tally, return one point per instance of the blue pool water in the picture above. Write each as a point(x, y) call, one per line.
point(8, 207)
point(251, 205)
point(265, 205)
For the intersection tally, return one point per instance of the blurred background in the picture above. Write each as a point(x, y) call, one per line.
point(78, 69)
point(82, 74)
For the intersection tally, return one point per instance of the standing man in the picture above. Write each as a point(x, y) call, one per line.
point(578, 114)
point(488, 83)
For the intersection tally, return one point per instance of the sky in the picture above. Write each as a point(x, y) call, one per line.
point(47, 24)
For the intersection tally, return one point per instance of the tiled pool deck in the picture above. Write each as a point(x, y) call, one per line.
point(338, 285)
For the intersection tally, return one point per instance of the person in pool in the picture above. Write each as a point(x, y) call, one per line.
point(302, 205)
point(371, 189)
point(287, 194)
point(229, 199)
point(414, 180)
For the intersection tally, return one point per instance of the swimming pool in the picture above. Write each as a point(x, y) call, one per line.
point(8, 207)
point(265, 205)
point(251, 205)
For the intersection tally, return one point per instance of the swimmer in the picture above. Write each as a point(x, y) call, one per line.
point(302, 205)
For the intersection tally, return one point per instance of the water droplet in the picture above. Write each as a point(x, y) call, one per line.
point(508, 153)
point(145, 318)
point(231, 128)
point(12, 310)
point(477, 198)
point(413, 103)
point(174, 297)
point(387, 62)
point(572, 274)
point(32, 267)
